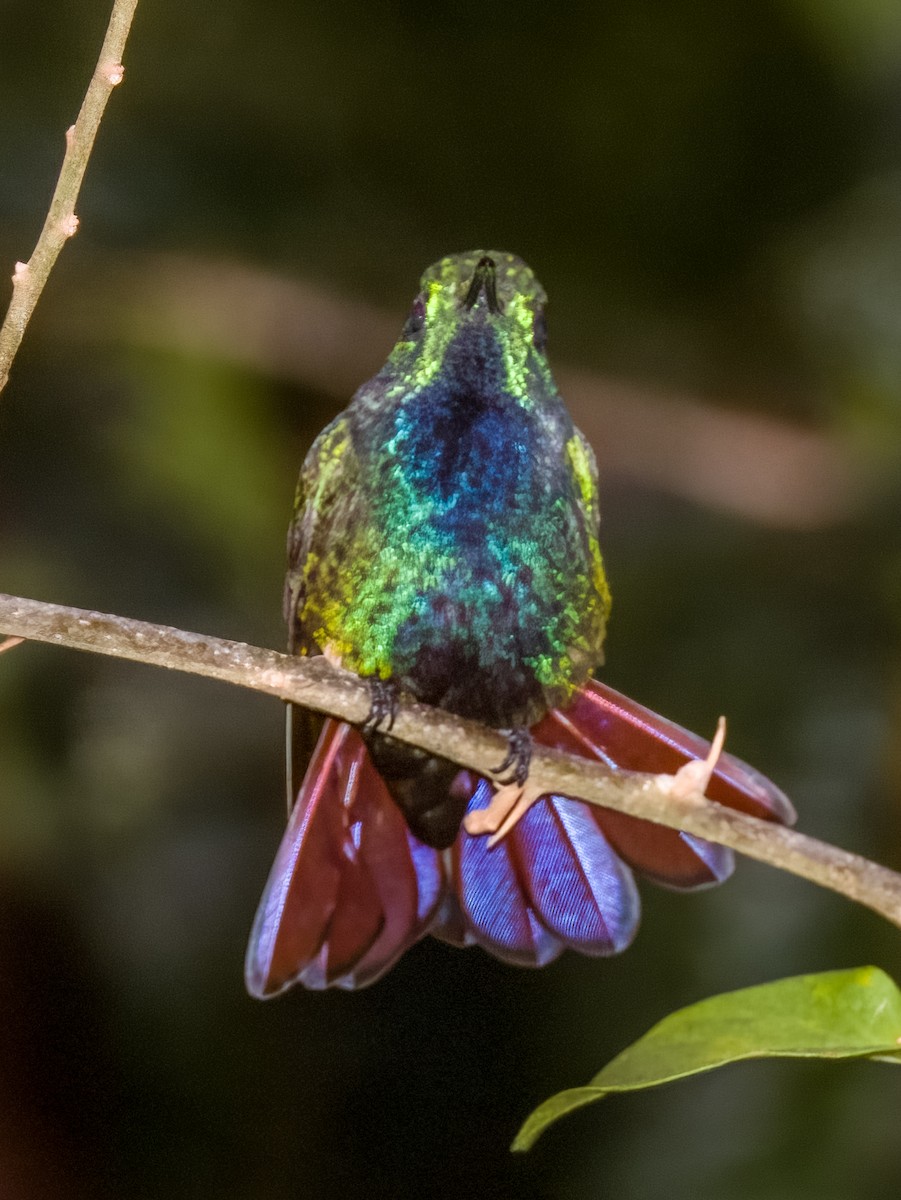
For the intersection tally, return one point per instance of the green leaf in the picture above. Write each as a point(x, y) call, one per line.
point(836, 1015)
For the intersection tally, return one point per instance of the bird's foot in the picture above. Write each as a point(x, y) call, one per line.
point(508, 806)
point(384, 695)
point(691, 780)
point(519, 755)
point(514, 796)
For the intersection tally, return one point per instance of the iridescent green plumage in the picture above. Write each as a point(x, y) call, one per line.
point(445, 532)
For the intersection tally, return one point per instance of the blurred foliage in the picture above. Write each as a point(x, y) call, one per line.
point(709, 193)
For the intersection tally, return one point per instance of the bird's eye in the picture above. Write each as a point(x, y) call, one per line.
point(416, 319)
point(539, 331)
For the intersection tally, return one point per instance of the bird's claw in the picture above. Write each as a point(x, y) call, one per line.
point(514, 795)
point(519, 755)
point(384, 695)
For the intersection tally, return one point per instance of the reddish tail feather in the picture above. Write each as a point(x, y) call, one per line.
point(351, 888)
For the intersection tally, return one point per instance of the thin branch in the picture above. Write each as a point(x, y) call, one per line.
point(315, 684)
point(61, 223)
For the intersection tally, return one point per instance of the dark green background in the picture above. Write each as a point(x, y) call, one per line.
point(710, 191)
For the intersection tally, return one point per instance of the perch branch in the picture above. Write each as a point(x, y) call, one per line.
point(313, 683)
point(61, 223)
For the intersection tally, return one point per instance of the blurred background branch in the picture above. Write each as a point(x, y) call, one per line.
point(764, 469)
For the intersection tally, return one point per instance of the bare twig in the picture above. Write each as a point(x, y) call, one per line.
point(61, 223)
point(315, 684)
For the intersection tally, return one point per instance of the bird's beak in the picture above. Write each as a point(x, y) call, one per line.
point(485, 277)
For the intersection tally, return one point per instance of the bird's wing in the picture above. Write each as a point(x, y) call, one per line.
point(326, 484)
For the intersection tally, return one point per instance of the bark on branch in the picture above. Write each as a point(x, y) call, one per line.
point(315, 684)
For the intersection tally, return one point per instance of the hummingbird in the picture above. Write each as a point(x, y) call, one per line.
point(445, 544)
